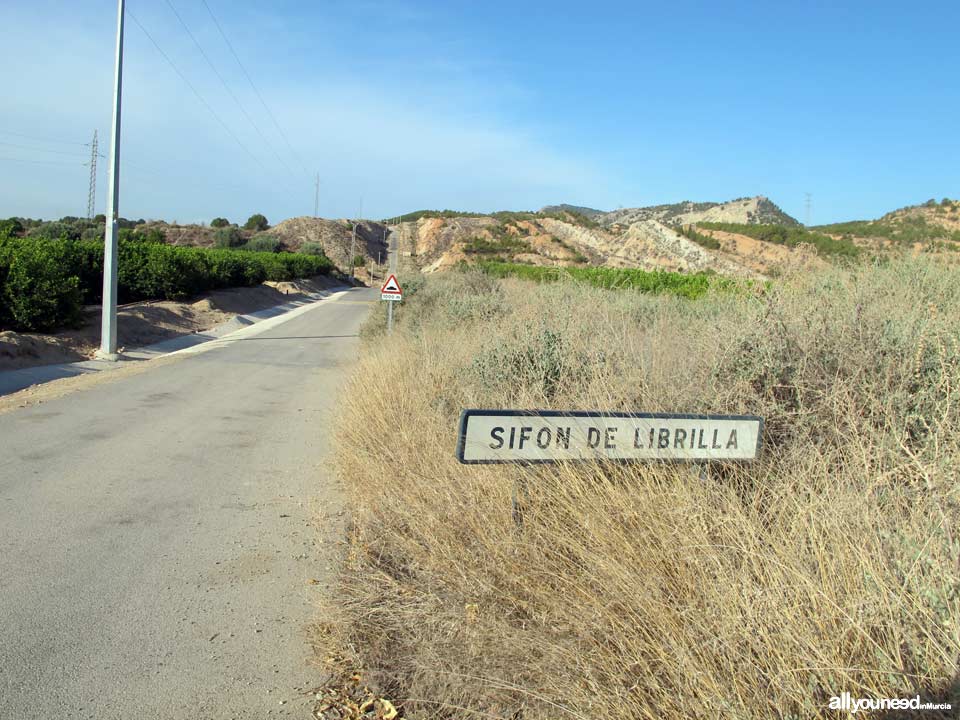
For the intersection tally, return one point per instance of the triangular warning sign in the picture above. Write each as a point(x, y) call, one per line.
point(391, 286)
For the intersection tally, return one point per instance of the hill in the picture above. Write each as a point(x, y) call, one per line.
point(932, 225)
point(571, 235)
point(748, 211)
point(579, 209)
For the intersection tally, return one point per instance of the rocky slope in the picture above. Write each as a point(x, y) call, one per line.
point(570, 235)
point(749, 211)
point(335, 237)
point(944, 214)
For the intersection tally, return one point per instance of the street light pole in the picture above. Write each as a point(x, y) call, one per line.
point(108, 333)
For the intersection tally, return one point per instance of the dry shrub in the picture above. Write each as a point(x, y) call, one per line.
point(648, 591)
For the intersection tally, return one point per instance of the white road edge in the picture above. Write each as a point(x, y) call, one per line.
point(255, 329)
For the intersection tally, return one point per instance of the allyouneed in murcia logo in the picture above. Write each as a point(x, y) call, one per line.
point(845, 701)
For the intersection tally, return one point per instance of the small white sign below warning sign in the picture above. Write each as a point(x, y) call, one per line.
point(391, 289)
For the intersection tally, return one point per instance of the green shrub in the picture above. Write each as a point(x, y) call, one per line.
point(263, 243)
point(503, 245)
point(86, 260)
point(256, 222)
point(312, 248)
point(54, 231)
point(359, 260)
point(219, 222)
point(43, 283)
point(691, 286)
point(417, 215)
point(789, 235)
point(906, 230)
point(690, 232)
point(40, 290)
point(228, 237)
point(154, 235)
point(11, 227)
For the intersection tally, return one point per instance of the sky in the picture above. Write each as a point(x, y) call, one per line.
point(401, 105)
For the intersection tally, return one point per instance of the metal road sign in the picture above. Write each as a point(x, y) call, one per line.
point(391, 289)
point(541, 436)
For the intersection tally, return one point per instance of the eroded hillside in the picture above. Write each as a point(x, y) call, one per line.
point(569, 235)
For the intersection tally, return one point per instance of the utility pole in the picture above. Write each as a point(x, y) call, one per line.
point(316, 199)
point(808, 203)
point(92, 191)
point(108, 333)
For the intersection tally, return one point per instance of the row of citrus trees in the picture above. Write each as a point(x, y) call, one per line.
point(689, 285)
point(45, 283)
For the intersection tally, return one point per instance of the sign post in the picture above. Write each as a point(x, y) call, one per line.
point(392, 293)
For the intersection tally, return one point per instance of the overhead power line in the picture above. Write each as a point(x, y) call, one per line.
point(226, 87)
point(255, 90)
point(41, 139)
point(42, 162)
point(43, 150)
point(197, 93)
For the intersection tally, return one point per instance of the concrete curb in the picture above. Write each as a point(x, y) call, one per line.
point(237, 328)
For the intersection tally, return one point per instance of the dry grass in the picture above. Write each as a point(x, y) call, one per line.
point(641, 591)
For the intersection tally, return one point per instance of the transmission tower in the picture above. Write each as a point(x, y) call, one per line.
point(808, 204)
point(92, 192)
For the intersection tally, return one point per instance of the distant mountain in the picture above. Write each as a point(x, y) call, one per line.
point(564, 207)
point(658, 237)
point(757, 210)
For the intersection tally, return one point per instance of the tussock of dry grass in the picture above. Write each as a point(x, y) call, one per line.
point(641, 591)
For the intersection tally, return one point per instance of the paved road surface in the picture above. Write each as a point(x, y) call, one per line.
point(158, 532)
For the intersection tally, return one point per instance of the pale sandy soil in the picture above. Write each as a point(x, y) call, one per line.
point(145, 323)
point(759, 256)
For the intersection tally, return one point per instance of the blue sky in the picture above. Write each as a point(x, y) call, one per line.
point(403, 105)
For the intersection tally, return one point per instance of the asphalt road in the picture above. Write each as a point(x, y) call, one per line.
point(159, 532)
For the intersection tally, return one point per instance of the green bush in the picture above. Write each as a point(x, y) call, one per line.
point(502, 245)
point(646, 281)
point(54, 231)
point(418, 214)
point(154, 235)
point(219, 222)
point(312, 248)
point(228, 237)
point(789, 235)
point(690, 232)
point(43, 283)
point(256, 222)
point(359, 261)
point(263, 243)
point(906, 230)
point(11, 227)
point(40, 290)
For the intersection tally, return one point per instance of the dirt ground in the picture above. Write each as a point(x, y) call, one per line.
point(145, 323)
